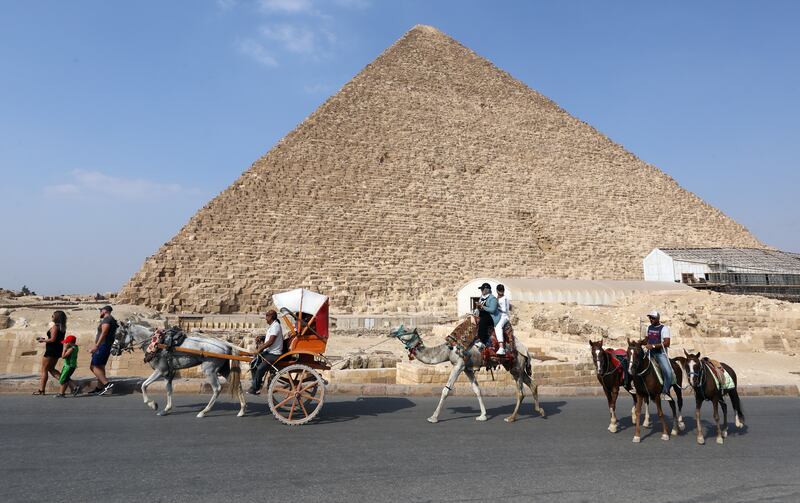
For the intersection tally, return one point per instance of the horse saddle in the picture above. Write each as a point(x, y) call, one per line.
point(722, 379)
point(619, 359)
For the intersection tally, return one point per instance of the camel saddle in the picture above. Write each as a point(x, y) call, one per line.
point(490, 357)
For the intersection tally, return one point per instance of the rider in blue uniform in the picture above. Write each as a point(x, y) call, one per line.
point(658, 339)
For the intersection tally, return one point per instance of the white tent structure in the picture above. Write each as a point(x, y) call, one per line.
point(580, 291)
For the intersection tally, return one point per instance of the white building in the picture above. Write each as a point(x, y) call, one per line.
point(722, 265)
point(586, 292)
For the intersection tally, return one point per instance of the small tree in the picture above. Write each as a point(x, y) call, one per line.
point(25, 291)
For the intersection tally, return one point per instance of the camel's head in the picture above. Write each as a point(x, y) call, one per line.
point(410, 339)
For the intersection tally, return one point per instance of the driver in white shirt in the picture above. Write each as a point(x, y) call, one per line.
point(267, 352)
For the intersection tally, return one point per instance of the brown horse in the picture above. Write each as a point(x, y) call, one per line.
point(706, 388)
point(647, 385)
point(611, 377)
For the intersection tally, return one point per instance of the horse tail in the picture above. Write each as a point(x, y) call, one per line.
point(225, 369)
point(235, 371)
point(734, 393)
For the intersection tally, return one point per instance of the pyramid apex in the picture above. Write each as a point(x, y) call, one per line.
point(425, 29)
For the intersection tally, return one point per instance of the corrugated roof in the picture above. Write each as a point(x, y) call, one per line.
point(749, 258)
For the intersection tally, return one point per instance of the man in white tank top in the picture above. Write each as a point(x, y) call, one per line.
point(503, 307)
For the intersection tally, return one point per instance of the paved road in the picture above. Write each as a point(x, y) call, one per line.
point(382, 449)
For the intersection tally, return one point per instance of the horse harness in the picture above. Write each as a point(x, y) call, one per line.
point(164, 341)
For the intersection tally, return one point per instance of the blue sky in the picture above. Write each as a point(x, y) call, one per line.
point(118, 120)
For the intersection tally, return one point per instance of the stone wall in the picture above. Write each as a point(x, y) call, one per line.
point(385, 198)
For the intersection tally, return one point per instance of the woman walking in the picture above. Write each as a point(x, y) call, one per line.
point(52, 349)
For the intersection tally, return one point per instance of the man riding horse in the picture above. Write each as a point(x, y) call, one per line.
point(658, 340)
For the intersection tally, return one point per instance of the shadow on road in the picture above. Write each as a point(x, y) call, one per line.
point(525, 410)
point(340, 411)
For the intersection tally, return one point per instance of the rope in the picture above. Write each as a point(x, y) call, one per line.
point(343, 361)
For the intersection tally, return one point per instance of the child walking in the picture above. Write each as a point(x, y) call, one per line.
point(70, 356)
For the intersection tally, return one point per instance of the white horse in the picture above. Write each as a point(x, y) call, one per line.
point(131, 334)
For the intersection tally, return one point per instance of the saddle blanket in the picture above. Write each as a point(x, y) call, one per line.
point(727, 381)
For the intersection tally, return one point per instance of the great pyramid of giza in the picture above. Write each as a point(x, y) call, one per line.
point(429, 168)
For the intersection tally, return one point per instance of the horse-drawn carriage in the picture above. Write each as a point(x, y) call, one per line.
point(295, 389)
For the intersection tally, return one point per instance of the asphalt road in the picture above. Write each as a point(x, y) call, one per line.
point(382, 449)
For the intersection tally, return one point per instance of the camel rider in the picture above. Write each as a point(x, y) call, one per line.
point(503, 307)
point(488, 315)
point(268, 351)
point(658, 339)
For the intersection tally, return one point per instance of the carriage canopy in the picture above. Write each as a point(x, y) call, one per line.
point(310, 303)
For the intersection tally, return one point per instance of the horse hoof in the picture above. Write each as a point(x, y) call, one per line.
point(720, 441)
point(201, 414)
point(674, 432)
point(681, 426)
point(480, 418)
point(646, 424)
point(701, 440)
point(636, 440)
point(433, 420)
point(510, 419)
point(240, 414)
point(612, 428)
point(541, 411)
point(664, 436)
point(739, 424)
point(161, 413)
point(724, 433)
point(152, 405)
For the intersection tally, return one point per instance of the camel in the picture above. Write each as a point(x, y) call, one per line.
point(468, 361)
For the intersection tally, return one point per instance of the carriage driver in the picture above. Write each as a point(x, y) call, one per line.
point(658, 338)
point(267, 352)
point(488, 314)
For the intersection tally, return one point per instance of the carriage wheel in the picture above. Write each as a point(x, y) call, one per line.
point(296, 394)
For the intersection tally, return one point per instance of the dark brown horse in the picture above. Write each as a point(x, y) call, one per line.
point(646, 383)
point(611, 377)
point(706, 387)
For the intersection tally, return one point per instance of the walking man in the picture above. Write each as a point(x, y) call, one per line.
point(267, 352)
point(106, 331)
point(658, 339)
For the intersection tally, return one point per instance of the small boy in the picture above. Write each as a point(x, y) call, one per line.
point(70, 356)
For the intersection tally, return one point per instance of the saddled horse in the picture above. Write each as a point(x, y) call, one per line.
point(708, 387)
point(468, 359)
point(610, 375)
point(646, 383)
point(132, 334)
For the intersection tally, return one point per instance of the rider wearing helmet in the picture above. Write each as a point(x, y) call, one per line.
point(658, 340)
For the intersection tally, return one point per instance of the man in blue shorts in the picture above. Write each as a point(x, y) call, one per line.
point(101, 350)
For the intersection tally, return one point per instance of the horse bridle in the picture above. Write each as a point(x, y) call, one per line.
point(128, 347)
point(701, 374)
point(642, 351)
point(608, 361)
point(412, 343)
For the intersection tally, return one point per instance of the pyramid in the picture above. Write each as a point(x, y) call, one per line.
point(429, 168)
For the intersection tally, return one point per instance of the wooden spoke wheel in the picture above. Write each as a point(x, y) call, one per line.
point(296, 394)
